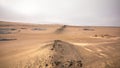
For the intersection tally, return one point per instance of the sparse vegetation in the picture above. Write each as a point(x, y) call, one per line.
point(39, 29)
point(6, 39)
point(8, 30)
point(104, 36)
point(88, 29)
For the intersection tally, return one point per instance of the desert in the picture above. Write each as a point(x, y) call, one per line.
point(58, 46)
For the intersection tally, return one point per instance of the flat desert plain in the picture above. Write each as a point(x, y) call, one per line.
point(58, 46)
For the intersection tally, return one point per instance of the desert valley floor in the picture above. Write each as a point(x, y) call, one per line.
point(58, 46)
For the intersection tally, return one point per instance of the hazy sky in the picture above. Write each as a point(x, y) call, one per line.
point(75, 12)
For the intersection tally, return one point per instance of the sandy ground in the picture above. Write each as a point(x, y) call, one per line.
point(58, 46)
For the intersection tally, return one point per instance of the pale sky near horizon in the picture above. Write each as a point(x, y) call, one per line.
point(73, 12)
